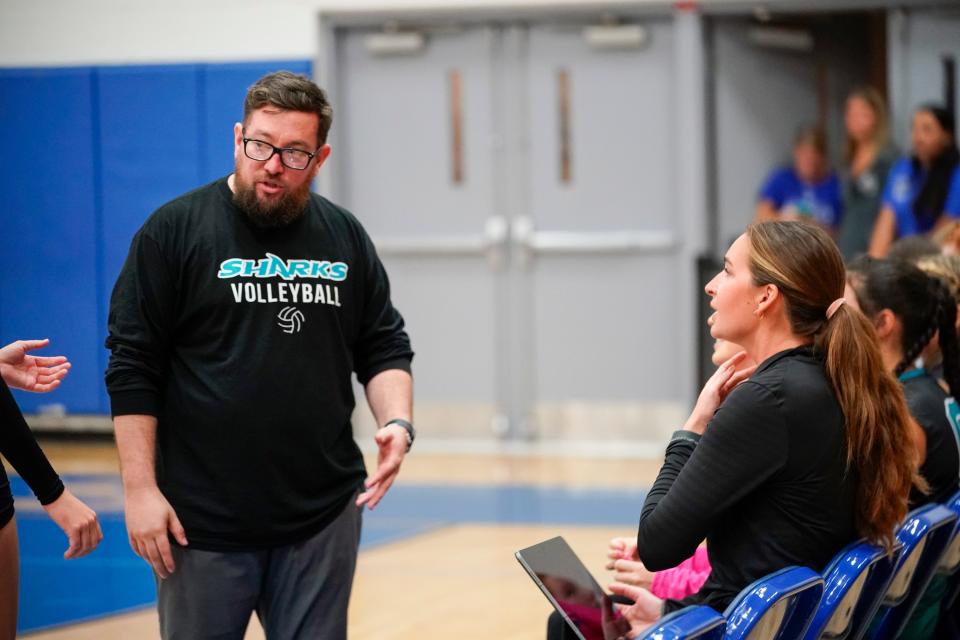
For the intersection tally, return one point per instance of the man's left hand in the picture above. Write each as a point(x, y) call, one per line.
point(392, 442)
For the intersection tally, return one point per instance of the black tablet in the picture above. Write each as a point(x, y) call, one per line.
point(572, 590)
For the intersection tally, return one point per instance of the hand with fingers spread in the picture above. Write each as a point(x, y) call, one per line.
point(149, 519)
point(31, 373)
point(392, 444)
point(78, 521)
point(715, 391)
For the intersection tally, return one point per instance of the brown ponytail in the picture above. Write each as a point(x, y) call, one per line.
point(876, 420)
point(805, 265)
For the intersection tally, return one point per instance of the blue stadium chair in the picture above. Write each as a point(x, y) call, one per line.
point(874, 590)
point(844, 581)
point(689, 623)
point(950, 562)
point(779, 606)
point(950, 565)
point(925, 535)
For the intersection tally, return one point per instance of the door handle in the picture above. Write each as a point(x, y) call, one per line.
point(491, 242)
point(530, 242)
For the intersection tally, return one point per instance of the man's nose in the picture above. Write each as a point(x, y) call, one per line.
point(274, 164)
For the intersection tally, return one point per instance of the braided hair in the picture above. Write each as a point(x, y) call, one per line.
point(922, 303)
point(948, 340)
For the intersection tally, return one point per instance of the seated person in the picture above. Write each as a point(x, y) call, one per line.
point(947, 268)
point(687, 577)
point(908, 308)
point(775, 471)
point(922, 193)
point(807, 190)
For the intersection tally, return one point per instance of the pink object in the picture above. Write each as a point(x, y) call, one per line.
point(684, 579)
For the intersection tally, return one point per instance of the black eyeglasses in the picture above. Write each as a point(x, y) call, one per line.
point(261, 151)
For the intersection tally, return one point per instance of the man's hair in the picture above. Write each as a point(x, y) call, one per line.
point(293, 92)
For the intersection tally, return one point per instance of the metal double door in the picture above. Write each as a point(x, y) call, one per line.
point(518, 181)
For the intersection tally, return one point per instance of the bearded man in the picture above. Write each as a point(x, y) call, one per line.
point(241, 312)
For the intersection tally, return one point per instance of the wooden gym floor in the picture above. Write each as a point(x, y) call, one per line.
point(442, 563)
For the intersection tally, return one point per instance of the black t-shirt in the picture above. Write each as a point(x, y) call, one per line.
point(18, 445)
point(927, 402)
point(767, 484)
point(242, 342)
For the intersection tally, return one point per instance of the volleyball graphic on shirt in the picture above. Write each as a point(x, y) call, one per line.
point(290, 319)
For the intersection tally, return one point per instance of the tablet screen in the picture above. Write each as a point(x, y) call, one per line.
point(571, 589)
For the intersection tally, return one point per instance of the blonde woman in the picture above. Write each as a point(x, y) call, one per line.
point(868, 156)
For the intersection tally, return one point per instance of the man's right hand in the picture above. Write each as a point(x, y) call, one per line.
point(149, 517)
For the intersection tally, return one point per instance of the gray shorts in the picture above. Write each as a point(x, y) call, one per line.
point(299, 591)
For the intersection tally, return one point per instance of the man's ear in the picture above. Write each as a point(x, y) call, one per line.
point(322, 154)
point(237, 140)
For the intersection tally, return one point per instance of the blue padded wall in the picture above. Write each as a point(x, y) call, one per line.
point(48, 249)
point(149, 123)
point(95, 151)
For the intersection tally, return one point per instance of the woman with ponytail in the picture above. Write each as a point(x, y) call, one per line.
point(909, 309)
point(787, 465)
point(922, 192)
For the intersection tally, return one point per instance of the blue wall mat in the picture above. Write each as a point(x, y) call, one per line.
point(224, 87)
point(149, 122)
point(47, 225)
point(97, 151)
point(150, 127)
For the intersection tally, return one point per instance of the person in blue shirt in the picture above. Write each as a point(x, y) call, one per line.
point(923, 191)
point(807, 190)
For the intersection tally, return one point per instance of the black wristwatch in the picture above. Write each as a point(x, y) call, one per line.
point(411, 432)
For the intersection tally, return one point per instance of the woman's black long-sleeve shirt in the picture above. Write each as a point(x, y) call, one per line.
point(18, 445)
point(767, 484)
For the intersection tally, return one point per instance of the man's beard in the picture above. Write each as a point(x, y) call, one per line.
point(274, 214)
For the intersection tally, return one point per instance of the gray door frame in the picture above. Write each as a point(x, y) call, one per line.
point(515, 391)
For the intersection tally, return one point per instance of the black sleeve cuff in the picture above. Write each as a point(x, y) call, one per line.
point(51, 496)
point(684, 438)
point(134, 402)
point(402, 363)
